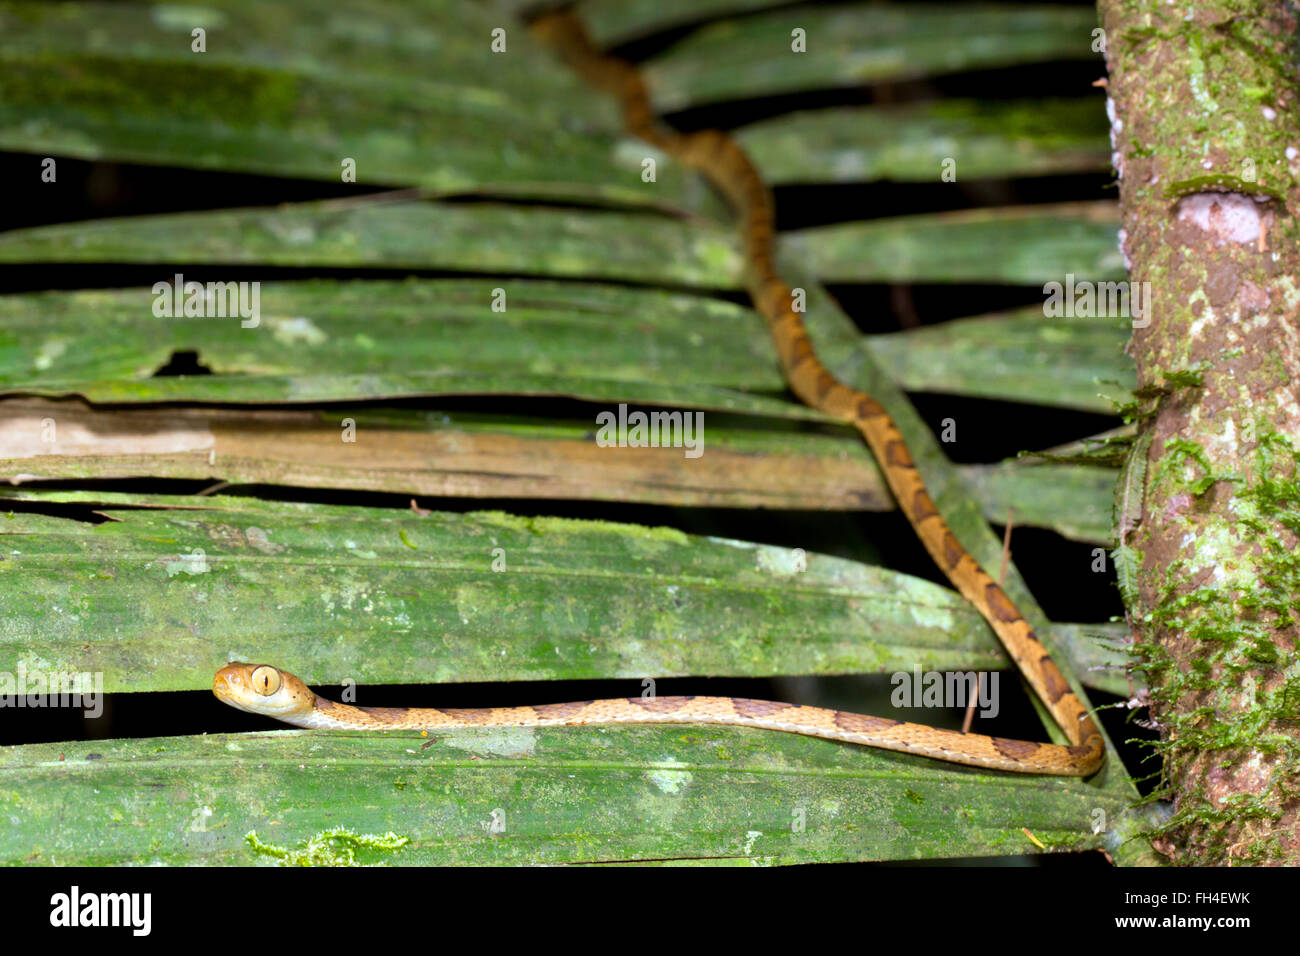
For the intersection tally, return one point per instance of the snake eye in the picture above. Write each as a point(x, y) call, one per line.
point(265, 680)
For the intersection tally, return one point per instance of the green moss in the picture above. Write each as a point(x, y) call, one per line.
point(1177, 452)
point(335, 847)
point(543, 525)
point(1234, 629)
point(99, 85)
point(1193, 377)
point(1221, 181)
point(1227, 73)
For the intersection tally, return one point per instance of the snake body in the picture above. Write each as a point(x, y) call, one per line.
point(267, 690)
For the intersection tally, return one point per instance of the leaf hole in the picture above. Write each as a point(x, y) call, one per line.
point(182, 362)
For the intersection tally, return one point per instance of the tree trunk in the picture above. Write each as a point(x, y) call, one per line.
point(1206, 136)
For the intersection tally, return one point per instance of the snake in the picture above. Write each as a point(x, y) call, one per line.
point(267, 690)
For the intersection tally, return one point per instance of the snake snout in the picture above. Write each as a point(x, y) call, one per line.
point(229, 681)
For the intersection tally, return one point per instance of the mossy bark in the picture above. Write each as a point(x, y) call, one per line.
point(1206, 136)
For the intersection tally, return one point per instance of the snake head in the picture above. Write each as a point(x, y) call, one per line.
point(263, 689)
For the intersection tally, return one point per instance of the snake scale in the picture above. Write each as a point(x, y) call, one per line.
point(264, 689)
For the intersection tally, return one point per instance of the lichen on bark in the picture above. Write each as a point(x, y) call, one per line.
point(1206, 135)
